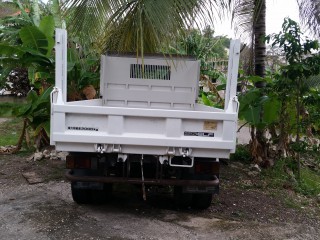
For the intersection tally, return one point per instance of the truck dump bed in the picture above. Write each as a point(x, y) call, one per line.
point(146, 107)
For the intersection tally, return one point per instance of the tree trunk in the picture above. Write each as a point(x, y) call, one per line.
point(259, 32)
point(298, 127)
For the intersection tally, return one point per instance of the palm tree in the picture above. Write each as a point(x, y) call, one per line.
point(138, 25)
point(250, 16)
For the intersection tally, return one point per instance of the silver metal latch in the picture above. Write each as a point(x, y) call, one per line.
point(185, 152)
point(171, 151)
point(100, 148)
point(116, 148)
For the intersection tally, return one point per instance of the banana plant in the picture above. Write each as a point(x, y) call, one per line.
point(35, 54)
point(36, 115)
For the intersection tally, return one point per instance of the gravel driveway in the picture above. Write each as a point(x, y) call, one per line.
point(46, 211)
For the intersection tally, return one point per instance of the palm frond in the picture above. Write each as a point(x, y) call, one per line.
point(309, 11)
point(139, 25)
point(245, 14)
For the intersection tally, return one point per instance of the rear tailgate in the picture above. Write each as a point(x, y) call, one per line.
point(143, 131)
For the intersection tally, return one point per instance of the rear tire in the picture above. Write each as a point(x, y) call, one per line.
point(108, 189)
point(201, 200)
point(80, 196)
point(182, 200)
point(101, 196)
point(88, 196)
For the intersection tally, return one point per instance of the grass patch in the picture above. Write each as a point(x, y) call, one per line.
point(277, 176)
point(284, 175)
point(7, 108)
point(26, 152)
point(10, 131)
point(310, 182)
point(291, 203)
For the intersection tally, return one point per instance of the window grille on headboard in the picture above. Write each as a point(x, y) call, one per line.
point(158, 72)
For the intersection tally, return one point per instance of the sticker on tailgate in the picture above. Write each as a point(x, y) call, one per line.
point(199, 134)
point(210, 125)
point(83, 128)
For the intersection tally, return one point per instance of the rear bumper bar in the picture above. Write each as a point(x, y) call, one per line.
point(167, 182)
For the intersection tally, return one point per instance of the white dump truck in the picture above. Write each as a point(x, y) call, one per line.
point(146, 128)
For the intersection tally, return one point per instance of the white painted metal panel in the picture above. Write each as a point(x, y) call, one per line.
point(137, 115)
point(153, 82)
point(155, 130)
point(142, 112)
point(233, 65)
point(61, 61)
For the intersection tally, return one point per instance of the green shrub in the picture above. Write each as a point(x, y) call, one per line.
point(6, 108)
point(242, 154)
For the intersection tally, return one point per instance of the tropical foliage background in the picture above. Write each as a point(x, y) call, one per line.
point(279, 92)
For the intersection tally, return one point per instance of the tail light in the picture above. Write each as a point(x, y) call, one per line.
point(78, 162)
point(204, 167)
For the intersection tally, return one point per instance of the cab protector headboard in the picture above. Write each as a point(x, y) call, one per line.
point(151, 82)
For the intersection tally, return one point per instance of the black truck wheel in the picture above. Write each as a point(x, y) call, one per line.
point(101, 196)
point(201, 200)
point(182, 200)
point(80, 196)
point(87, 196)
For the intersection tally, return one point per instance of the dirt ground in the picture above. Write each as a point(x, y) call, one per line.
point(3, 120)
point(243, 210)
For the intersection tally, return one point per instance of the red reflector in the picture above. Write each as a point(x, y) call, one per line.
point(83, 163)
point(77, 162)
point(69, 162)
point(206, 167)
